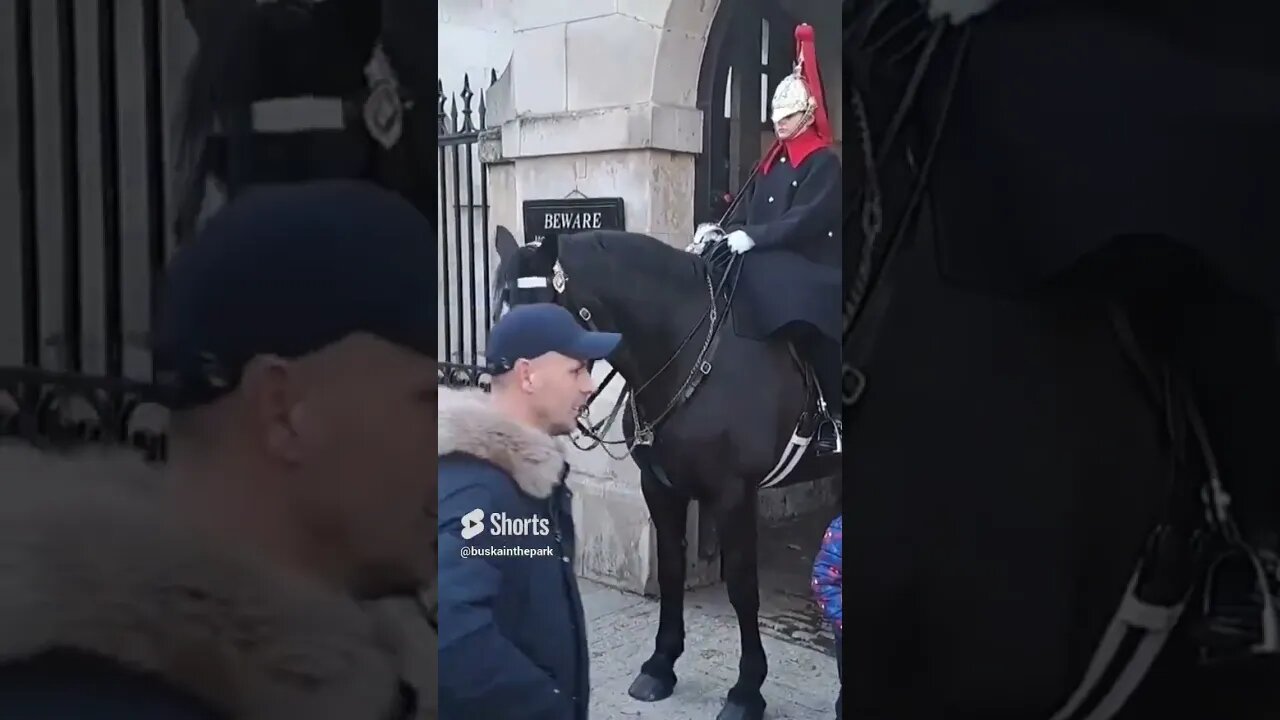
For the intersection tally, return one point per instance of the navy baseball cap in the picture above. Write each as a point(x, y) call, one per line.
point(530, 331)
point(287, 270)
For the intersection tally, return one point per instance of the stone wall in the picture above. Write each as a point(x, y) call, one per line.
point(475, 39)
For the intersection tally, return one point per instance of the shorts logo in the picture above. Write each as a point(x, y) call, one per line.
point(472, 524)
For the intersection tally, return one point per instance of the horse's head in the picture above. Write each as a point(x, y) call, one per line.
point(268, 98)
point(524, 274)
point(536, 273)
point(252, 52)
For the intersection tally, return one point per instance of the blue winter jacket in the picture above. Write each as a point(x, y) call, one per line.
point(827, 575)
point(512, 633)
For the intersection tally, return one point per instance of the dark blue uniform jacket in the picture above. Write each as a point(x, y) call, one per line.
point(793, 274)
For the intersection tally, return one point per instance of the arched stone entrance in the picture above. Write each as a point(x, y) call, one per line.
point(609, 98)
point(750, 47)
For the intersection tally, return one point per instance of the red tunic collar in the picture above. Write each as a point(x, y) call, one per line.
point(797, 149)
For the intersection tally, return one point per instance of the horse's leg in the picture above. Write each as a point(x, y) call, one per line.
point(669, 509)
point(736, 519)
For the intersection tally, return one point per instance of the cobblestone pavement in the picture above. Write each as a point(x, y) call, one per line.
point(802, 681)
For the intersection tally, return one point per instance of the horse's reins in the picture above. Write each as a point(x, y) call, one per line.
point(645, 432)
point(869, 196)
point(864, 286)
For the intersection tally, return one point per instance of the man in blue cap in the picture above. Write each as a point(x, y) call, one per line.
point(513, 640)
point(294, 345)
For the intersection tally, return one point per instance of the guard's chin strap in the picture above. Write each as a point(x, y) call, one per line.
point(805, 123)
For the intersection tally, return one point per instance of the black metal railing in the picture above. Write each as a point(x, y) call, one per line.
point(463, 236)
point(78, 263)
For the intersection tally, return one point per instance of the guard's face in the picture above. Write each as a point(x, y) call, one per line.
point(558, 389)
point(364, 441)
point(789, 126)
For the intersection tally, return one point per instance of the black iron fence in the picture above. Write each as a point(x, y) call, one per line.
point(82, 218)
point(85, 230)
point(465, 249)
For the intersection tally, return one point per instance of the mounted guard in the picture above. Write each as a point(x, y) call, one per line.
point(790, 239)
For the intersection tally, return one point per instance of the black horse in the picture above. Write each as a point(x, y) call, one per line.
point(296, 90)
point(717, 414)
point(1037, 420)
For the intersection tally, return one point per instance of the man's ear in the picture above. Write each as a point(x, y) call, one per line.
point(515, 377)
point(269, 385)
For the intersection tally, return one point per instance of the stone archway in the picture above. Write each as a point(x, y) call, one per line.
point(603, 103)
point(686, 27)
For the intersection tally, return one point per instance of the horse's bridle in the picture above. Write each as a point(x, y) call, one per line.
point(384, 105)
point(645, 432)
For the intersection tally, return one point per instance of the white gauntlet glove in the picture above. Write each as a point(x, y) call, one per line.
point(706, 234)
point(740, 242)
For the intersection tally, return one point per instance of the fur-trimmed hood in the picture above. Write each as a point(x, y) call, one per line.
point(470, 425)
point(93, 564)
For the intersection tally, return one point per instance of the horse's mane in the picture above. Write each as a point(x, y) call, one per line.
point(626, 256)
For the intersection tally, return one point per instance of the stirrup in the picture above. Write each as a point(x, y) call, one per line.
point(825, 420)
point(1253, 598)
point(838, 425)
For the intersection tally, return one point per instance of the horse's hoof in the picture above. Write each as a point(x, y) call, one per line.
point(647, 688)
point(738, 711)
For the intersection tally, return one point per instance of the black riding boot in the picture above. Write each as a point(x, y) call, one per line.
point(825, 357)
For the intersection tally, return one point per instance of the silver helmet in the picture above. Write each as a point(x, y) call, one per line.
point(791, 97)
